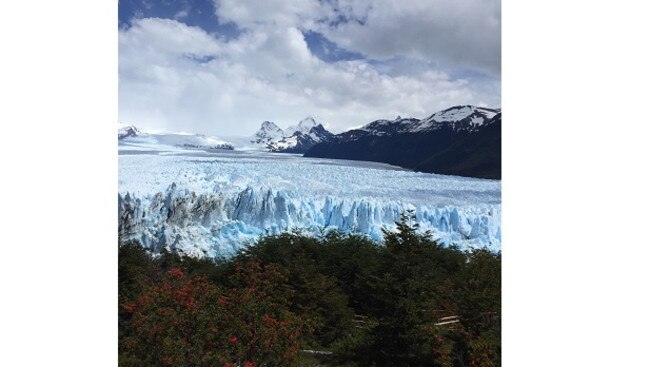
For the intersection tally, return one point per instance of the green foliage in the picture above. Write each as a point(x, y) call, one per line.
point(369, 304)
point(135, 270)
point(479, 291)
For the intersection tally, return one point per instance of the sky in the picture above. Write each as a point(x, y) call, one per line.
point(221, 67)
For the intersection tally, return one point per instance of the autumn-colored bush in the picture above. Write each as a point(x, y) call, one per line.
point(187, 321)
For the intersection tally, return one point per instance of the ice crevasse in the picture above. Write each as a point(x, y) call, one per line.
point(215, 204)
point(218, 224)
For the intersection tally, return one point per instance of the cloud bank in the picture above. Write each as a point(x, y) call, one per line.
point(414, 58)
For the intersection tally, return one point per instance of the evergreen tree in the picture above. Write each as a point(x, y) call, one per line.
point(371, 304)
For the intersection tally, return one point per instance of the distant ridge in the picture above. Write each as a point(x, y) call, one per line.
point(460, 140)
point(129, 135)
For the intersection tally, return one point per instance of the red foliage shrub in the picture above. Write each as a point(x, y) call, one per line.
point(189, 321)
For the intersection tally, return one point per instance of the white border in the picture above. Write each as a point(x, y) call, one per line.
point(575, 183)
point(575, 91)
point(58, 300)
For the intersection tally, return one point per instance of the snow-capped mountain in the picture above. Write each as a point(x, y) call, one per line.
point(457, 117)
point(130, 137)
point(268, 132)
point(460, 133)
point(294, 139)
point(125, 131)
point(304, 126)
point(389, 127)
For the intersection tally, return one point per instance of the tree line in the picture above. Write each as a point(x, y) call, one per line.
point(294, 300)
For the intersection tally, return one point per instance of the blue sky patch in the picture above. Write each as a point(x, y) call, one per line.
point(326, 50)
point(197, 13)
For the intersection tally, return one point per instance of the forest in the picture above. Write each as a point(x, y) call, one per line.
point(295, 300)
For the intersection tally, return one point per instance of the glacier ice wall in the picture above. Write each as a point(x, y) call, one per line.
point(214, 205)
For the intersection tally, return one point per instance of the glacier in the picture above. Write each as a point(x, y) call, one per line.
point(215, 203)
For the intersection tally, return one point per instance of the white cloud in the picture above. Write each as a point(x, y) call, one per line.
point(456, 32)
point(464, 33)
point(252, 13)
point(177, 77)
point(182, 14)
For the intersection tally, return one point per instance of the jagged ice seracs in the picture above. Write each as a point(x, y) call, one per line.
point(214, 204)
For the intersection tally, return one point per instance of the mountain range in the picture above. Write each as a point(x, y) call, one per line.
point(294, 139)
point(461, 140)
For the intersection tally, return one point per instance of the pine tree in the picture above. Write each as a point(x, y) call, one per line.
point(402, 295)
